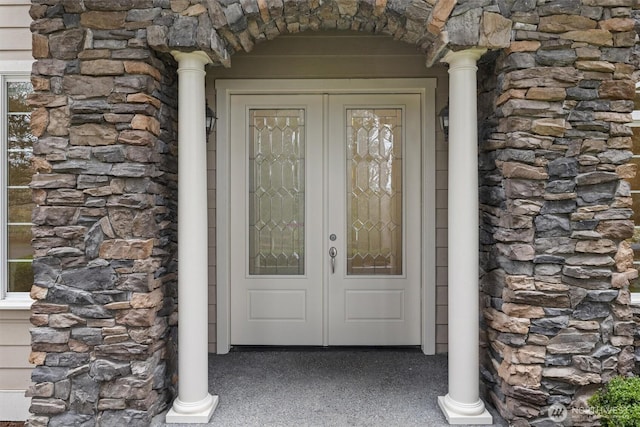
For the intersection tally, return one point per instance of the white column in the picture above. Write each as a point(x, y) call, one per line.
point(462, 404)
point(194, 403)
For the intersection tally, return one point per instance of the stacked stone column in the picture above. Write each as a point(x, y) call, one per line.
point(104, 225)
point(556, 210)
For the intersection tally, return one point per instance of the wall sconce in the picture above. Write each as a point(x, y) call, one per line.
point(210, 120)
point(443, 116)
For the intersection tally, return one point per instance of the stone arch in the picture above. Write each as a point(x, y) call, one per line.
point(223, 28)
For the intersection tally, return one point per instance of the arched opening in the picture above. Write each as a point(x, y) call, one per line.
point(240, 27)
point(331, 56)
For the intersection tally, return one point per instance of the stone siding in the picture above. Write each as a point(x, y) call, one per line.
point(555, 93)
point(104, 231)
point(555, 210)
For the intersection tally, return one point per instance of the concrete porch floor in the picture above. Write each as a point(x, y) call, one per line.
point(328, 387)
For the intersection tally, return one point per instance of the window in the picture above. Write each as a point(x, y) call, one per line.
point(635, 192)
point(16, 151)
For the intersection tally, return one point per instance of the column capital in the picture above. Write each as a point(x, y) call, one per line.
point(465, 57)
point(197, 59)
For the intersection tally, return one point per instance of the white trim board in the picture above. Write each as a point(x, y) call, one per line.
point(14, 406)
point(225, 88)
point(16, 301)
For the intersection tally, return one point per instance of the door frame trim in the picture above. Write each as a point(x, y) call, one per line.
point(425, 87)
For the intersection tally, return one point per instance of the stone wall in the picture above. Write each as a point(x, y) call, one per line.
point(555, 95)
point(105, 225)
point(555, 208)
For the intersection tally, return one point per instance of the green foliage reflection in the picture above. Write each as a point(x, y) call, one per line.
point(20, 276)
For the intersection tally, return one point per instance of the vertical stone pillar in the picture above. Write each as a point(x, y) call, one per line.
point(194, 403)
point(462, 404)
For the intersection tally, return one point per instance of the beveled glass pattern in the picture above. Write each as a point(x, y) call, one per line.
point(374, 191)
point(18, 172)
point(276, 191)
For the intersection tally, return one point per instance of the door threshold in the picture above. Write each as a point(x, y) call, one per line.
point(307, 348)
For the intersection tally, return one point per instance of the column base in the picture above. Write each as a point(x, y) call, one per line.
point(463, 413)
point(192, 413)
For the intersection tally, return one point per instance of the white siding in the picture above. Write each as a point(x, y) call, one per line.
point(338, 55)
point(15, 370)
point(15, 36)
point(15, 346)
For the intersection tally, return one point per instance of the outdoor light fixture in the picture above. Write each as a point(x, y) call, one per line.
point(444, 121)
point(210, 120)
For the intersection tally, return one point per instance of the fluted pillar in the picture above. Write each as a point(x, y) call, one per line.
point(462, 404)
point(194, 404)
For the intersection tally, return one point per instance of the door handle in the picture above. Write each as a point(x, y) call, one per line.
point(332, 253)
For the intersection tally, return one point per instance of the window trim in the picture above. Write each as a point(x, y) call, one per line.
point(9, 71)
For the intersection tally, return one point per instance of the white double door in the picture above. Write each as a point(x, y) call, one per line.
point(325, 219)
